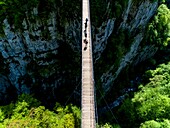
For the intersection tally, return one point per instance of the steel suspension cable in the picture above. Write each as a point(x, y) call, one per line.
point(108, 106)
point(72, 92)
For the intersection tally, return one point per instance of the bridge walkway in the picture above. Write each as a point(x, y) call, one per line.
point(87, 101)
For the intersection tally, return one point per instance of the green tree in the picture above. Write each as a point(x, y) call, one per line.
point(159, 29)
point(152, 101)
point(156, 124)
point(27, 112)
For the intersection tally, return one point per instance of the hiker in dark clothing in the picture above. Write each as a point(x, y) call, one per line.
point(85, 34)
point(86, 20)
point(85, 25)
point(85, 48)
point(85, 41)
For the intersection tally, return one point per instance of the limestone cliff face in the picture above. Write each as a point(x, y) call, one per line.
point(46, 55)
point(134, 20)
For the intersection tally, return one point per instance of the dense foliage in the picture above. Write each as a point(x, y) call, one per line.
point(150, 106)
point(27, 112)
point(159, 29)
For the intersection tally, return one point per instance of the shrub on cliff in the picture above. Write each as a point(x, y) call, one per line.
point(159, 29)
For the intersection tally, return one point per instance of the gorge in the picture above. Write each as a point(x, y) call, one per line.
point(40, 46)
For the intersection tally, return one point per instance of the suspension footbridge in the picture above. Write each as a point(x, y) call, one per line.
point(87, 99)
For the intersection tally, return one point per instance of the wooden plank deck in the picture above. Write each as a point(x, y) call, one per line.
point(87, 101)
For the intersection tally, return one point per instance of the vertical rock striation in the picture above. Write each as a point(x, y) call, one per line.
point(46, 52)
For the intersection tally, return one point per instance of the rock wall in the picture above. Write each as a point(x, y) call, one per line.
point(134, 19)
point(34, 60)
point(49, 55)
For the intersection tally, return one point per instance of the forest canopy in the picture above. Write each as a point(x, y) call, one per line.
point(150, 106)
point(28, 112)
